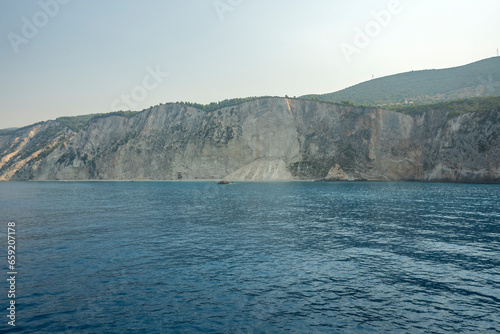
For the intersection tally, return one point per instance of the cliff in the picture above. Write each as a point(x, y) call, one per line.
point(268, 138)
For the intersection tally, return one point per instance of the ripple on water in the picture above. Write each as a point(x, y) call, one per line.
point(256, 257)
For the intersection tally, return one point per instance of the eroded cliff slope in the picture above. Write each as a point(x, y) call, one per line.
point(299, 139)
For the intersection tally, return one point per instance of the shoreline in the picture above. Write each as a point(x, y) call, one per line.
point(179, 181)
point(266, 181)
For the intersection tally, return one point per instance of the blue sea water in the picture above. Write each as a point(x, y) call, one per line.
point(291, 257)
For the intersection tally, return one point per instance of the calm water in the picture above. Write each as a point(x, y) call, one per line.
point(160, 257)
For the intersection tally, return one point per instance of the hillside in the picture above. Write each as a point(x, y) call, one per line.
point(263, 139)
point(481, 78)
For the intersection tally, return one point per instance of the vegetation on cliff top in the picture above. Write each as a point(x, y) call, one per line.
point(454, 108)
point(221, 104)
point(74, 123)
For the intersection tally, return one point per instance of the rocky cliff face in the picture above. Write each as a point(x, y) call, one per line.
point(270, 138)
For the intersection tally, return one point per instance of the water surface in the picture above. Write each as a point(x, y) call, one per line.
point(297, 257)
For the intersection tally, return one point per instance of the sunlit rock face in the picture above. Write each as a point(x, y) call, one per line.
point(264, 139)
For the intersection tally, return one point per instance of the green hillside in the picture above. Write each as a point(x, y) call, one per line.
point(481, 78)
point(455, 107)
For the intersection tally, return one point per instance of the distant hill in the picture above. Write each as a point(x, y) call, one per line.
point(481, 78)
point(7, 130)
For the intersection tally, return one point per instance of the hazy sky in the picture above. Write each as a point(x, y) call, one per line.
point(71, 57)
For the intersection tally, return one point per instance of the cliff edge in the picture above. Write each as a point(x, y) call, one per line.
point(263, 139)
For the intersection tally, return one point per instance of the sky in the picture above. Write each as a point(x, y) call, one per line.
point(75, 57)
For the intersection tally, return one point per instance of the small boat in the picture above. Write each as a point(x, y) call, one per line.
point(224, 182)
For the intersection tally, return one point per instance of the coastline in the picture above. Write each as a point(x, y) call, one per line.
point(265, 181)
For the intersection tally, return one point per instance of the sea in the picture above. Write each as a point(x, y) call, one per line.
point(250, 257)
